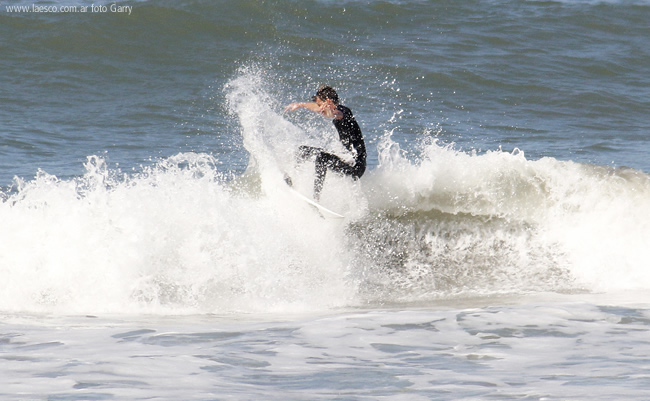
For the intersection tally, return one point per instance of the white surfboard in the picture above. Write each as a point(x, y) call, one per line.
point(325, 212)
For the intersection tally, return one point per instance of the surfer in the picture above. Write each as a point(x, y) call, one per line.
point(326, 103)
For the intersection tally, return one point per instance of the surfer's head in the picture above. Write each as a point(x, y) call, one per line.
point(326, 92)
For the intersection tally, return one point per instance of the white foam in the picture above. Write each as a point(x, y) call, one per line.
point(589, 219)
point(170, 237)
point(179, 237)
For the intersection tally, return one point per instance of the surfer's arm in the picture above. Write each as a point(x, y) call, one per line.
point(326, 109)
point(297, 105)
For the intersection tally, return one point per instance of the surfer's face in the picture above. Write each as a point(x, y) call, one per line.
point(324, 105)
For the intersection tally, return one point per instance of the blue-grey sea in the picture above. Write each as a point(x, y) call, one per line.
point(497, 247)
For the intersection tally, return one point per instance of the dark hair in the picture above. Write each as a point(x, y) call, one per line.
point(326, 92)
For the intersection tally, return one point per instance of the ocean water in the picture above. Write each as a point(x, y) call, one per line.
point(496, 249)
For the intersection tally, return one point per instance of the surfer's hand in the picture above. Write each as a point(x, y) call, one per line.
point(328, 109)
point(292, 107)
point(323, 109)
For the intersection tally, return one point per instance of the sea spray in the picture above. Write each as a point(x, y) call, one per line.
point(185, 235)
point(173, 238)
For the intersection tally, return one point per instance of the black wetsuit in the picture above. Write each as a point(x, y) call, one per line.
point(351, 137)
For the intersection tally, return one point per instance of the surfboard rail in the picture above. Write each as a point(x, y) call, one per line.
point(325, 212)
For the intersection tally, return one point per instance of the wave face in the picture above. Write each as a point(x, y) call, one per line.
point(185, 235)
point(457, 222)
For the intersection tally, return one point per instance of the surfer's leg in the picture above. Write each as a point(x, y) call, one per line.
point(323, 162)
point(326, 161)
point(321, 171)
point(306, 152)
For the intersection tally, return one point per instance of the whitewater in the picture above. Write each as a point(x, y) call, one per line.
point(183, 234)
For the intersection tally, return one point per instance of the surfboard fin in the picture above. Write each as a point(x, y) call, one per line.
point(287, 179)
